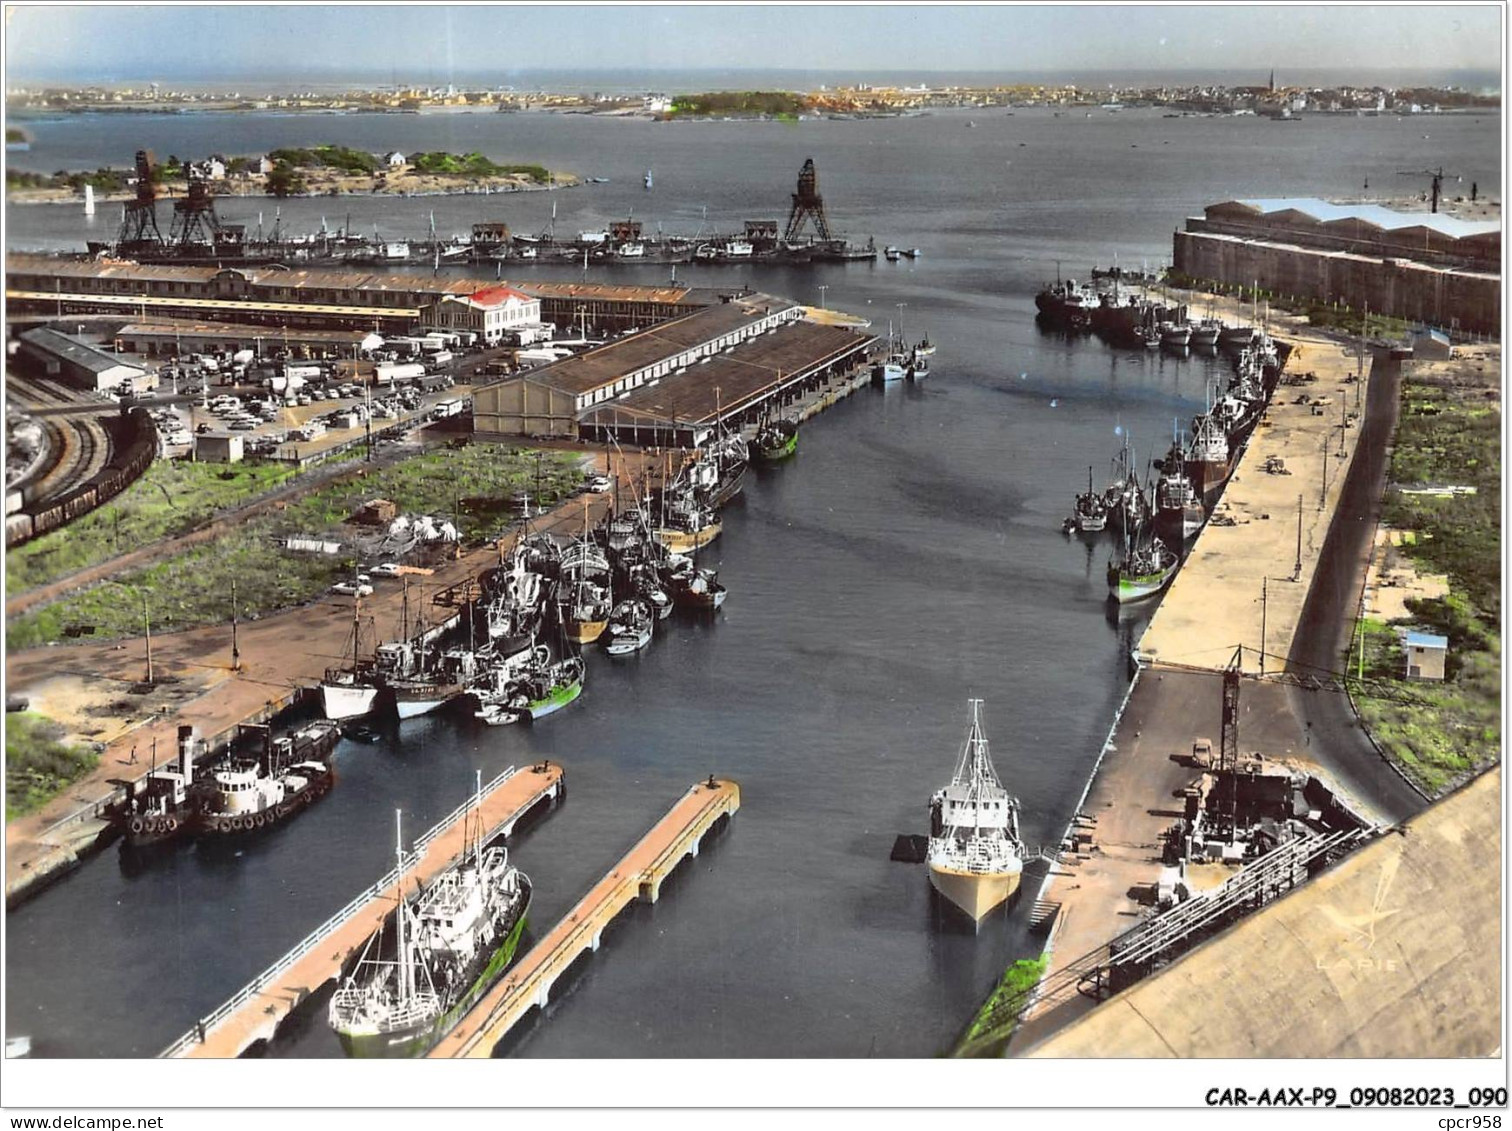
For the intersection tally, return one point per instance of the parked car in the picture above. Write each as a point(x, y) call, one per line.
point(352, 589)
point(386, 569)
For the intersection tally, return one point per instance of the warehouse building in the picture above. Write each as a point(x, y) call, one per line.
point(1419, 266)
point(550, 400)
point(386, 303)
point(729, 390)
point(47, 353)
point(175, 337)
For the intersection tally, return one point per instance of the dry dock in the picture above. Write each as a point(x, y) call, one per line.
point(638, 875)
point(255, 1012)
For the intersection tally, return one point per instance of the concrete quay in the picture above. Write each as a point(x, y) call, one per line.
point(638, 875)
point(254, 1013)
point(1245, 584)
point(281, 656)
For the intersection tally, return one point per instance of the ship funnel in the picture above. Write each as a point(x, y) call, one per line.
point(186, 743)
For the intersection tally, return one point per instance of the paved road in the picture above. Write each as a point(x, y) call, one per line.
point(1328, 617)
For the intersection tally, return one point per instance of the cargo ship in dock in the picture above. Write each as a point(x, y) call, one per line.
point(451, 943)
point(975, 856)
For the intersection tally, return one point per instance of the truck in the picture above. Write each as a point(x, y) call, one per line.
point(443, 409)
point(243, 358)
point(390, 371)
point(444, 357)
point(306, 372)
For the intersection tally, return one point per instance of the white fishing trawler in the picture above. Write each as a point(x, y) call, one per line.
point(349, 691)
point(452, 943)
point(975, 857)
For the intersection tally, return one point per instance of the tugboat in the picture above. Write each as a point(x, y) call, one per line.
point(776, 440)
point(451, 945)
point(164, 808)
point(290, 775)
point(349, 692)
point(1145, 570)
point(975, 856)
point(630, 627)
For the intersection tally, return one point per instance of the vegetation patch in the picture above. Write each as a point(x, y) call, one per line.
point(1448, 436)
point(772, 104)
point(474, 485)
point(327, 157)
point(171, 498)
point(474, 165)
point(39, 764)
point(995, 1021)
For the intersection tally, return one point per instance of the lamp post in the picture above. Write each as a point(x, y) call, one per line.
point(146, 622)
point(235, 651)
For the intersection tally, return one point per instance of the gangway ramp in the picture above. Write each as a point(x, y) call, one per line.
point(638, 875)
point(260, 1007)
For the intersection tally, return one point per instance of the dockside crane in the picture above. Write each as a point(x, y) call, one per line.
point(1436, 178)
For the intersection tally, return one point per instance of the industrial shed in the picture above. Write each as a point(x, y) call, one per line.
point(51, 354)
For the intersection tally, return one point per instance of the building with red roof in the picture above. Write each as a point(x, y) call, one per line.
point(491, 312)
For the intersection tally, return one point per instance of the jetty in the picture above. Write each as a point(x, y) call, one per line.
point(638, 875)
point(256, 1011)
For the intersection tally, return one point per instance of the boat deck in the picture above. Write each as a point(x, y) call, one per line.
point(260, 1007)
point(638, 875)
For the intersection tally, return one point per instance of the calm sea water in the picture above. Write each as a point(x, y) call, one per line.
point(907, 559)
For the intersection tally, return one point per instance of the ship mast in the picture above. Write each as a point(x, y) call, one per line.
point(406, 979)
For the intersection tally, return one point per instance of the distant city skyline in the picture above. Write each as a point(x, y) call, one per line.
point(494, 44)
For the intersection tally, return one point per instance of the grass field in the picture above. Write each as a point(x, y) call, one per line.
point(1449, 434)
point(476, 482)
point(38, 763)
point(172, 497)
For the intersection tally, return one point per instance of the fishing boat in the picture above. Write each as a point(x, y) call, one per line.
point(975, 857)
point(700, 589)
point(349, 691)
point(546, 691)
point(630, 628)
point(687, 524)
point(645, 582)
point(776, 440)
point(1205, 333)
point(1091, 513)
point(1068, 303)
point(718, 474)
point(1178, 507)
point(452, 943)
point(1209, 458)
point(1146, 569)
point(911, 253)
point(584, 597)
point(1176, 335)
point(649, 182)
point(291, 773)
point(891, 254)
point(889, 369)
point(924, 347)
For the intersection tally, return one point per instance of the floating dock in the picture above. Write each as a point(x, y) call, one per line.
point(639, 875)
point(255, 1012)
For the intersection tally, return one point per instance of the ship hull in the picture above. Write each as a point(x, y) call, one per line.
point(585, 631)
point(975, 893)
point(411, 703)
point(346, 702)
point(684, 542)
point(417, 1040)
point(554, 702)
point(230, 824)
point(779, 452)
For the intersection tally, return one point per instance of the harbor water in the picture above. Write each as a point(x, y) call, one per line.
point(909, 558)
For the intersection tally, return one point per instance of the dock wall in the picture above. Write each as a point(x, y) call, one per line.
point(1399, 288)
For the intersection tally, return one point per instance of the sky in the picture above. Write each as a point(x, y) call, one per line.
point(124, 42)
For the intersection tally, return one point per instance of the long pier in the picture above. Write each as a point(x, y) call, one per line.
point(256, 1011)
point(638, 875)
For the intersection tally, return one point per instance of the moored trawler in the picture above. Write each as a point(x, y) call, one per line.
point(975, 857)
point(453, 943)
